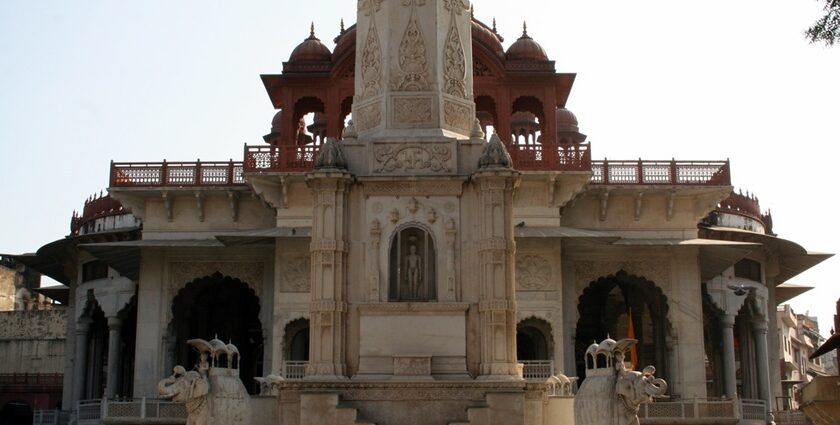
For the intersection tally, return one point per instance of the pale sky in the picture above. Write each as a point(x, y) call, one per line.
point(85, 82)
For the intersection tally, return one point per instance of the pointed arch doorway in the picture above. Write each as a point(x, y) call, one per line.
point(604, 310)
point(222, 307)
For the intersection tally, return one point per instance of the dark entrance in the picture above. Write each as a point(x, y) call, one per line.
point(604, 310)
point(220, 307)
point(16, 413)
point(533, 340)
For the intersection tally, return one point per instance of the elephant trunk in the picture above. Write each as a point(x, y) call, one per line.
point(656, 387)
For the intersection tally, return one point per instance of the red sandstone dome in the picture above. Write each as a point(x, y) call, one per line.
point(311, 50)
point(487, 37)
point(345, 41)
point(525, 48)
point(566, 120)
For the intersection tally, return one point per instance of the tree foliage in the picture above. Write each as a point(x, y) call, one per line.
point(827, 28)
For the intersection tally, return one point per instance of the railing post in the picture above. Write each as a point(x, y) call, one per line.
point(606, 171)
point(696, 413)
point(103, 408)
point(673, 171)
point(197, 180)
point(164, 174)
point(230, 172)
point(111, 176)
point(143, 407)
point(640, 176)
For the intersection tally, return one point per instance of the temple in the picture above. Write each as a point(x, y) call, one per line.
point(423, 237)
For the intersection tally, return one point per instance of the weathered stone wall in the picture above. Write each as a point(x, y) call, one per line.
point(7, 289)
point(32, 341)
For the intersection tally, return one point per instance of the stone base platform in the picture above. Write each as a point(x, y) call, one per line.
point(421, 403)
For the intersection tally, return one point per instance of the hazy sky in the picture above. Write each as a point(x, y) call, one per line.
point(85, 82)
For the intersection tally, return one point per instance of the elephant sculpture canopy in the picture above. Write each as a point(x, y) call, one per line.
point(612, 393)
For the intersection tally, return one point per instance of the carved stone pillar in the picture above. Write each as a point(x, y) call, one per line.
point(114, 327)
point(414, 69)
point(497, 302)
point(761, 360)
point(373, 254)
point(727, 321)
point(328, 289)
point(80, 360)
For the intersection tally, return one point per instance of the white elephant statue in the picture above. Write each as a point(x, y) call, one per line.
point(190, 388)
point(635, 388)
point(213, 393)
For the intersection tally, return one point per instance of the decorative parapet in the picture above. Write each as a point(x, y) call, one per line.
point(280, 158)
point(97, 206)
point(747, 208)
point(544, 157)
point(639, 172)
point(176, 174)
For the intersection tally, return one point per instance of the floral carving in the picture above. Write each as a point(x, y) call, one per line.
point(455, 67)
point(412, 110)
point(368, 117)
point(371, 55)
point(296, 274)
point(413, 72)
point(533, 272)
point(412, 158)
point(456, 115)
point(480, 69)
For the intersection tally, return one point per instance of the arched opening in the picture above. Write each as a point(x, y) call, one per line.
point(533, 340)
point(412, 266)
point(97, 349)
point(713, 346)
point(527, 121)
point(309, 121)
point(605, 309)
point(220, 307)
point(346, 110)
point(128, 338)
point(16, 413)
point(485, 111)
point(296, 340)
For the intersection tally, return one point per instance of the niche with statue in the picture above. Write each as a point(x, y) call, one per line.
point(412, 266)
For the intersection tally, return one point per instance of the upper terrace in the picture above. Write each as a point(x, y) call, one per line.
point(527, 158)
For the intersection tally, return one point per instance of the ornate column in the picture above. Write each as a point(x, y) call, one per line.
point(330, 184)
point(761, 358)
point(497, 300)
point(727, 321)
point(114, 326)
point(80, 360)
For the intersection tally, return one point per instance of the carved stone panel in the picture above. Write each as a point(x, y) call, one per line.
point(412, 365)
point(412, 111)
point(371, 62)
point(182, 273)
point(658, 272)
point(295, 274)
point(413, 64)
point(457, 116)
point(533, 272)
point(368, 116)
point(412, 158)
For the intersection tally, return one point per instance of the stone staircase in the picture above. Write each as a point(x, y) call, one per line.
point(325, 409)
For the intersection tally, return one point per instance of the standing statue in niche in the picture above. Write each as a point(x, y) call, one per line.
point(413, 267)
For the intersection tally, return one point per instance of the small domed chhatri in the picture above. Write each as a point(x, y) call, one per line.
point(311, 50)
point(525, 48)
point(488, 37)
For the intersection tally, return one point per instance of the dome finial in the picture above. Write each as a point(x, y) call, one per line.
point(312, 30)
point(342, 25)
point(494, 25)
point(524, 29)
point(472, 10)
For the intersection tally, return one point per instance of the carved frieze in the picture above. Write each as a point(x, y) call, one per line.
point(182, 273)
point(372, 53)
point(412, 365)
point(368, 116)
point(457, 115)
point(400, 188)
point(533, 272)
point(295, 274)
point(586, 272)
point(412, 110)
point(411, 158)
point(454, 59)
point(413, 72)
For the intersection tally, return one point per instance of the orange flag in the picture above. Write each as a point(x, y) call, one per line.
point(631, 333)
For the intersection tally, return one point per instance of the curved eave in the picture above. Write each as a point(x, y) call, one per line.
point(51, 259)
point(787, 291)
point(793, 258)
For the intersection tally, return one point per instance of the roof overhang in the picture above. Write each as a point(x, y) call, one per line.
point(564, 233)
point(832, 343)
point(124, 257)
point(786, 291)
point(715, 255)
point(264, 237)
point(793, 258)
point(60, 293)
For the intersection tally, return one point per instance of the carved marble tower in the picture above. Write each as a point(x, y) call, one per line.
point(414, 69)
